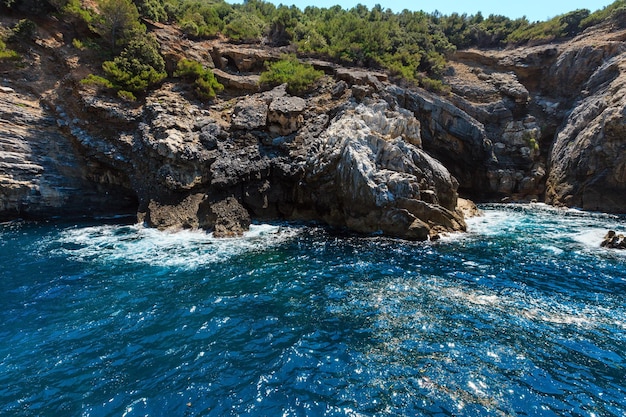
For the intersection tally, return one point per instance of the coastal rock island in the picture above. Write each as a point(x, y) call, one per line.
point(358, 150)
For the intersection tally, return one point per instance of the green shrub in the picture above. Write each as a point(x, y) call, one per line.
point(152, 9)
point(138, 67)
point(436, 86)
point(118, 21)
point(614, 9)
point(195, 24)
point(206, 85)
point(538, 32)
point(188, 68)
point(308, 39)
point(87, 43)
point(126, 95)
point(282, 25)
point(531, 140)
point(78, 44)
point(298, 77)
point(97, 81)
point(8, 54)
point(24, 30)
point(199, 18)
point(247, 28)
point(73, 8)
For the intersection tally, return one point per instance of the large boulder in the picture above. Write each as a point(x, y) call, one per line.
point(285, 114)
point(228, 218)
point(364, 173)
point(250, 114)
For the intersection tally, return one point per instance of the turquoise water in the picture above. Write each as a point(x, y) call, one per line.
point(523, 316)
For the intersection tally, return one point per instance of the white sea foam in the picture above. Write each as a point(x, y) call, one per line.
point(491, 222)
point(559, 229)
point(187, 249)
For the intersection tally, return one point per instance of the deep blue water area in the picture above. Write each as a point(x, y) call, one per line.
point(525, 315)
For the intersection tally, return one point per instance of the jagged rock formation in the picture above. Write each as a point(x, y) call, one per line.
point(367, 172)
point(361, 152)
point(555, 115)
point(363, 169)
point(613, 241)
point(589, 154)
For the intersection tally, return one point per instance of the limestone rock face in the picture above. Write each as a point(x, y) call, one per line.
point(238, 82)
point(241, 58)
point(250, 114)
point(553, 113)
point(451, 135)
point(542, 122)
point(369, 177)
point(285, 114)
point(43, 173)
point(213, 169)
point(588, 160)
point(180, 163)
point(228, 217)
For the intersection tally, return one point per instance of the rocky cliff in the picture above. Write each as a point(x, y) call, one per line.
point(359, 152)
point(555, 116)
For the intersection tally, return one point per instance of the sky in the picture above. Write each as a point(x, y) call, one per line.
point(533, 9)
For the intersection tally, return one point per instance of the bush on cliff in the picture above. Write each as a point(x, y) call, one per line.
point(282, 25)
point(97, 81)
point(308, 39)
point(6, 53)
point(74, 11)
point(204, 19)
point(245, 28)
point(118, 22)
point(612, 11)
point(138, 66)
point(566, 25)
point(206, 85)
point(152, 9)
point(298, 77)
point(25, 30)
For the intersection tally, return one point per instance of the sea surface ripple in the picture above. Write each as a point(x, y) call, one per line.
point(524, 315)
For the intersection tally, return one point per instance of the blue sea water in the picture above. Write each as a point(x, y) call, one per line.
point(523, 316)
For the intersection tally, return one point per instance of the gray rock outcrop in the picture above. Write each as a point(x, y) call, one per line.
point(588, 159)
point(364, 170)
point(43, 174)
point(370, 176)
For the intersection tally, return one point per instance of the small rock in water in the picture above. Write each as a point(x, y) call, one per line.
point(614, 241)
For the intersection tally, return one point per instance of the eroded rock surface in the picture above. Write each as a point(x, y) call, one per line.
point(369, 175)
point(537, 123)
point(589, 154)
point(43, 174)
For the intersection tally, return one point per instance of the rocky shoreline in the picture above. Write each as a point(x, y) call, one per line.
point(541, 123)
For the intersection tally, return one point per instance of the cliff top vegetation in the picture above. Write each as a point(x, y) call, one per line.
point(410, 45)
